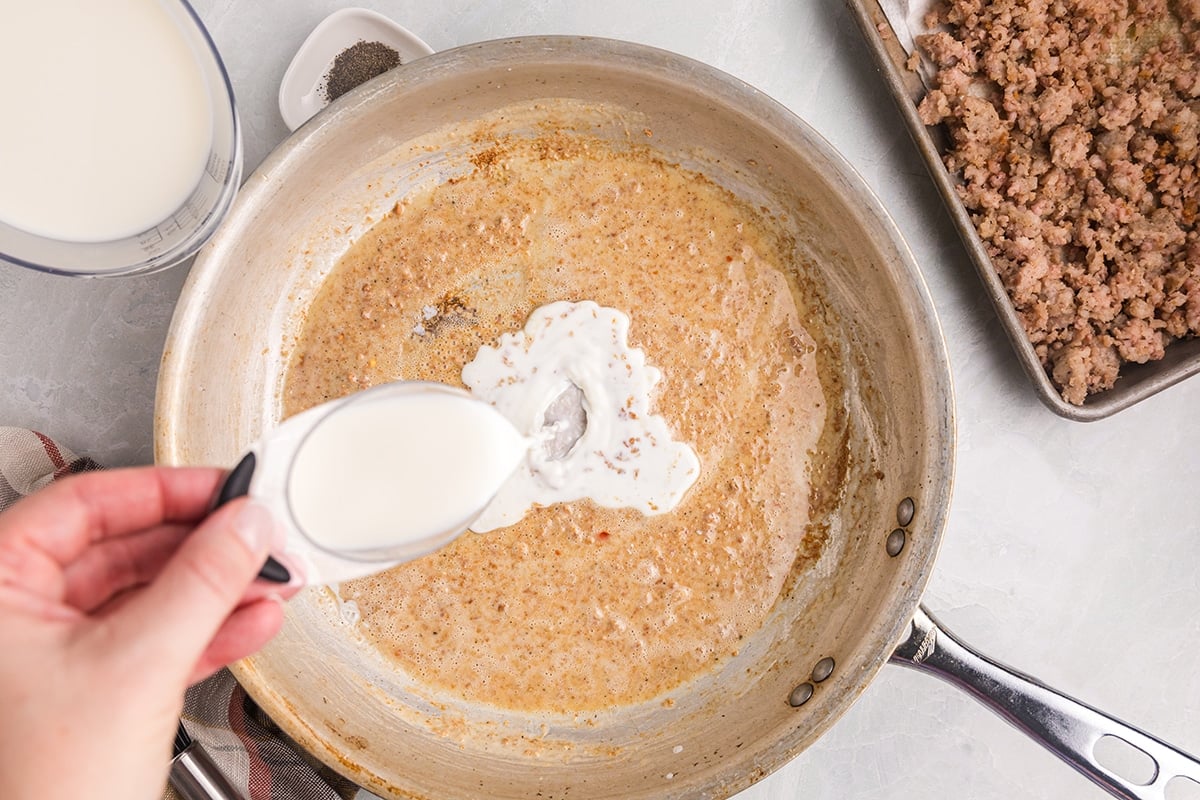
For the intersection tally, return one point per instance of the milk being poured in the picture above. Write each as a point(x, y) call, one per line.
point(108, 122)
point(571, 382)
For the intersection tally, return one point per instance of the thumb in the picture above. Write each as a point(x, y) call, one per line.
point(180, 612)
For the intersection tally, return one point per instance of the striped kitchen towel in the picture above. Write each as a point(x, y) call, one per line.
point(249, 748)
point(29, 461)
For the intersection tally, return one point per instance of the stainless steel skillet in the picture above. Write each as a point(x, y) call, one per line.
point(224, 364)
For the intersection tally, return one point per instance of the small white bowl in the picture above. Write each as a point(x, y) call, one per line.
point(302, 90)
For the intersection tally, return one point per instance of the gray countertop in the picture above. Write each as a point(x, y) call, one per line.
point(1071, 550)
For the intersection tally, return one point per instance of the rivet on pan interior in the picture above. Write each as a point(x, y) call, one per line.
point(895, 542)
point(905, 512)
point(800, 695)
point(822, 670)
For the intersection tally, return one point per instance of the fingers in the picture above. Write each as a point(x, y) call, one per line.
point(114, 565)
point(244, 633)
point(27, 569)
point(126, 562)
point(180, 612)
point(17, 602)
point(60, 521)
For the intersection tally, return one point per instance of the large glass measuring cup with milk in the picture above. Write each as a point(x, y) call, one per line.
point(120, 149)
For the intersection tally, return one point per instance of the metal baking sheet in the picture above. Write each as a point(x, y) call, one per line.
point(891, 44)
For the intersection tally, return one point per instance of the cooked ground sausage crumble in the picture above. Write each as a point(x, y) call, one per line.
point(1074, 133)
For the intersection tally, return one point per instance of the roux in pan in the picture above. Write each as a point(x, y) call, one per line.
point(578, 607)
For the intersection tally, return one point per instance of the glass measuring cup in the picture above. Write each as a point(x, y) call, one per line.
point(183, 230)
point(377, 478)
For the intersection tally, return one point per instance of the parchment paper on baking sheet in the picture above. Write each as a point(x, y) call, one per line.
point(907, 18)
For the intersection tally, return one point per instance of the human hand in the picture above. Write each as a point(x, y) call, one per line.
point(116, 593)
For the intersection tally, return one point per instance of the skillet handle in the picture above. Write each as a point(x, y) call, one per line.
point(1067, 728)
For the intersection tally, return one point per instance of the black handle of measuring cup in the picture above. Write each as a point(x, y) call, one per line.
point(237, 484)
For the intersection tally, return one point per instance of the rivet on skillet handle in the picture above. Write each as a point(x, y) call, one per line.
point(237, 484)
point(800, 695)
point(1066, 727)
point(822, 670)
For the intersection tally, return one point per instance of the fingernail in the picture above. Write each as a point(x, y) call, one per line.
point(299, 579)
point(256, 527)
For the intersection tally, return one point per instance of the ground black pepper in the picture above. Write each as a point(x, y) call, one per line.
point(358, 64)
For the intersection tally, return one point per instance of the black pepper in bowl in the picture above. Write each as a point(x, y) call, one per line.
point(357, 64)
